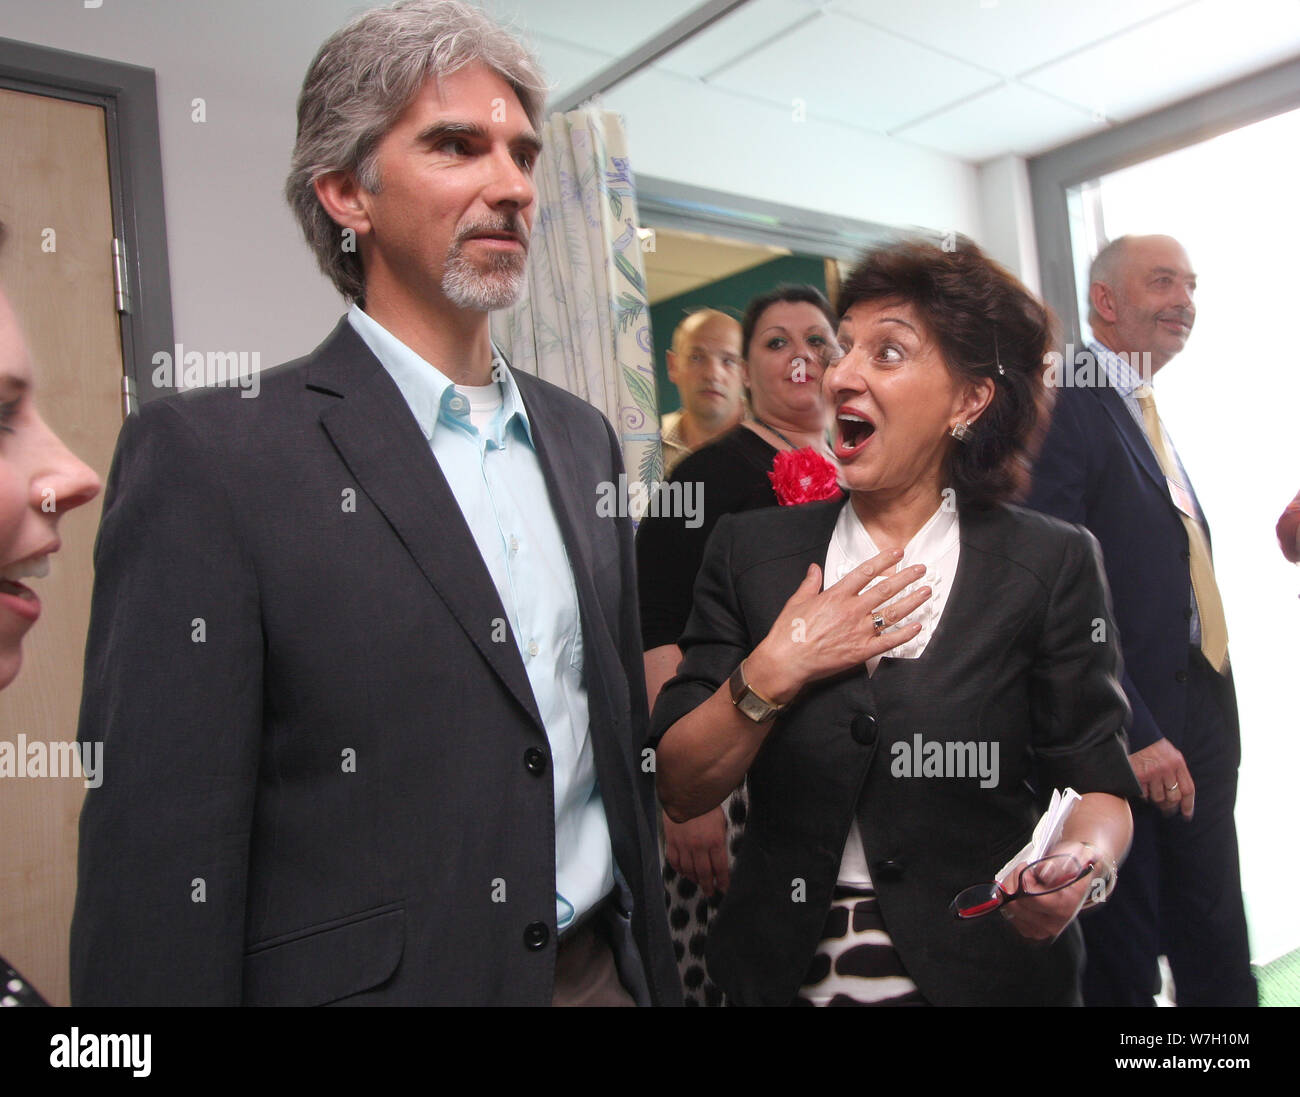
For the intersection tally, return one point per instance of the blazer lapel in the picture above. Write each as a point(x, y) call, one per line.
point(555, 454)
point(804, 540)
point(609, 704)
point(807, 543)
point(573, 514)
point(381, 444)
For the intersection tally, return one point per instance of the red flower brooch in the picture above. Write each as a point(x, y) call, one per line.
point(803, 476)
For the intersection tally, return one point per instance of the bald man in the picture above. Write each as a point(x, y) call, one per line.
point(1108, 464)
point(704, 364)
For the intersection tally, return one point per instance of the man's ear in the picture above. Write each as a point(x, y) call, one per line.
point(672, 366)
point(342, 198)
point(1102, 298)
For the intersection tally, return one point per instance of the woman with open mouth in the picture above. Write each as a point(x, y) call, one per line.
point(905, 677)
point(40, 481)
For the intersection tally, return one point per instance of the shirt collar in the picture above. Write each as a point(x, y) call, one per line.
point(429, 392)
point(931, 542)
point(671, 430)
point(1123, 378)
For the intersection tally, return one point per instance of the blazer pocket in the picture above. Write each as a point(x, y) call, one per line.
point(324, 963)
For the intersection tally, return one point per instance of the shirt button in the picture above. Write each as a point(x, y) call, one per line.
point(514, 544)
point(533, 648)
point(457, 404)
point(535, 761)
point(536, 934)
point(1180, 676)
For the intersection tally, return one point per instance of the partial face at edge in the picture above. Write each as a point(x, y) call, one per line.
point(40, 480)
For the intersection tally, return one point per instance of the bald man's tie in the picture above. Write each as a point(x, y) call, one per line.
point(1214, 627)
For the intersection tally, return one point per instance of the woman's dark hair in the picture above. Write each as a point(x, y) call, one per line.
point(979, 315)
point(809, 295)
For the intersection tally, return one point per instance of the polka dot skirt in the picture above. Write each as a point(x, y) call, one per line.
point(691, 912)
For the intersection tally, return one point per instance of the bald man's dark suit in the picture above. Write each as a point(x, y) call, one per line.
point(1180, 890)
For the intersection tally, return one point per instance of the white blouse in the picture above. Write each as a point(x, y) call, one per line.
point(937, 545)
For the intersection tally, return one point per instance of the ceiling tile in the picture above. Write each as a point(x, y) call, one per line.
point(683, 261)
point(615, 28)
point(707, 256)
point(662, 285)
point(1168, 59)
point(1008, 119)
point(844, 71)
point(736, 34)
point(1007, 36)
point(741, 145)
point(567, 66)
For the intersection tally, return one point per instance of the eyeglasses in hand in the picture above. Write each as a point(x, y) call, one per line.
point(1042, 877)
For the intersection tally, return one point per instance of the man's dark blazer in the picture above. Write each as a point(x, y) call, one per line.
point(1012, 662)
point(1097, 469)
point(326, 778)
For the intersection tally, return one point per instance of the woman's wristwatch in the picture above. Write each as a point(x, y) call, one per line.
point(748, 700)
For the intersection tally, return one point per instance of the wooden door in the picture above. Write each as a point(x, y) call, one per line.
point(56, 269)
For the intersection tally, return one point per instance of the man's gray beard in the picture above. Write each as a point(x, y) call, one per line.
point(468, 287)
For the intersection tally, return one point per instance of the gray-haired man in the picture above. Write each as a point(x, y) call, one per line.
point(364, 656)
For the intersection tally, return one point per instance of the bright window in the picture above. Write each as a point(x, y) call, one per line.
point(1231, 403)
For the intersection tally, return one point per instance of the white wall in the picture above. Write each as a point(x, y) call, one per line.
point(680, 130)
point(1007, 214)
point(242, 279)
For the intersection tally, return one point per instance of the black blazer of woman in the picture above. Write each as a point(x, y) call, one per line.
point(1024, 657)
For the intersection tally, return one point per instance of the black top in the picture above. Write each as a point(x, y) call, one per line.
point(731, 475)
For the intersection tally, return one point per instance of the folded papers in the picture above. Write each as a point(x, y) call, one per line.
point(1047, 833)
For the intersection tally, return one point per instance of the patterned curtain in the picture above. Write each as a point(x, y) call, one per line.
point(583, 322)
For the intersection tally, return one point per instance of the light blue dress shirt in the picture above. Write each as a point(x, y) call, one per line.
point(1125, 380)
point(498, 482)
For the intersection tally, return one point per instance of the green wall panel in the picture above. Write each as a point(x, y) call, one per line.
point(729, 295)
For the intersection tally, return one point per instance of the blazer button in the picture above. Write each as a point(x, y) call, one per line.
point(863, 729)
point(887, 871)
point(535, 761)
point(1187, 613)
point(1180, 676)
point(1185, 554)
point(536, 935)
